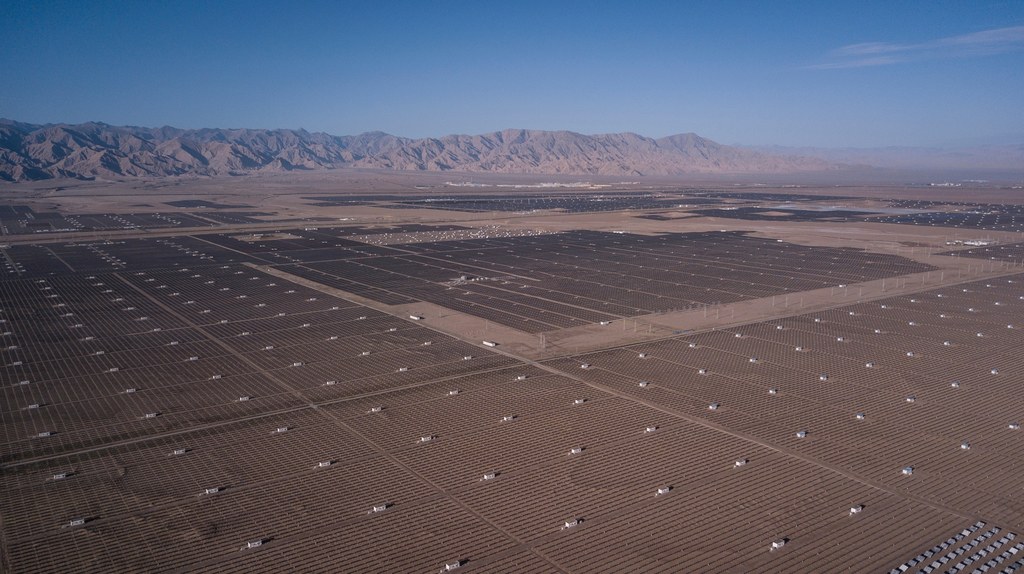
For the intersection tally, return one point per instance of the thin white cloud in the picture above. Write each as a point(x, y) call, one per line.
point(868, 48)
point(985, 42)
point(857, 63)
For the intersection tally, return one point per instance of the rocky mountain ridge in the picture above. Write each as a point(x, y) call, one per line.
point(91, 150)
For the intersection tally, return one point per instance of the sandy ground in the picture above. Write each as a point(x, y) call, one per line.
point(291, 196)
point(908, 521)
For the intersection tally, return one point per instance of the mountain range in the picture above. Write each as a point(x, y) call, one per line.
point(93, 150)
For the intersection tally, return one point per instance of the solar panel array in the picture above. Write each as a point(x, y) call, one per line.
point(180, 409)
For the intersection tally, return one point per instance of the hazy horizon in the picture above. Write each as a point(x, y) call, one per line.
point(996, 141)
point(937, 74)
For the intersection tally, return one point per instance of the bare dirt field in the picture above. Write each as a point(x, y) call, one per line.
point(368, 371)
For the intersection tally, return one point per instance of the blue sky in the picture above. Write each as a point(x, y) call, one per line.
point(795, 73)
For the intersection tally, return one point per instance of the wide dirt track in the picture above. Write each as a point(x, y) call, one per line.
point(289, 373)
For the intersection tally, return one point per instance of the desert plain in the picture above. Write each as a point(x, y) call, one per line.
point(362, 370)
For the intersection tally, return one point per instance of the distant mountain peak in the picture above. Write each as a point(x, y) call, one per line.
point(98, 150)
